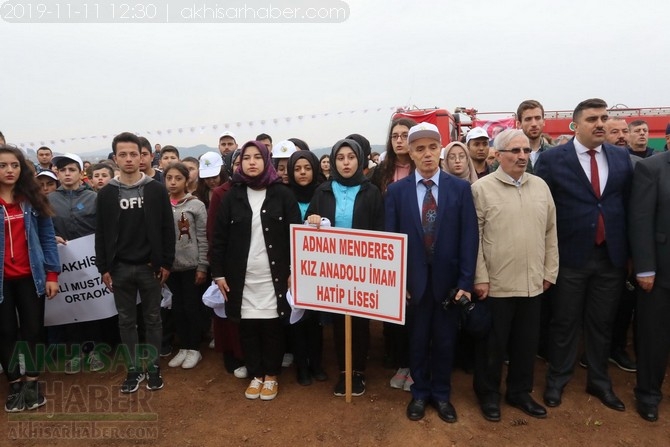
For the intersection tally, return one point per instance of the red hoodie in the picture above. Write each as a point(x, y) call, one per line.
point(17, 259)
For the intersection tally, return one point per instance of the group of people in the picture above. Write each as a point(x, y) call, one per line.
point(553, 252)
point(536, 243)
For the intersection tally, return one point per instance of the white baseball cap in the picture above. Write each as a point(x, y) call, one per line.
point(68, 156)
point(424, 130)
point(283, 149)
point(47, 173)
point(227, 134)
point(214, 299)
point(210, 165)
point(476, 132)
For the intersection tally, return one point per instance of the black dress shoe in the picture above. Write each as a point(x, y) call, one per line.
point(304, 377)
point(552, 397)
point(648, 412)
point(491, 411)
point(608, 398)
point(416, 409)
point(528, 406)
point(445, 411)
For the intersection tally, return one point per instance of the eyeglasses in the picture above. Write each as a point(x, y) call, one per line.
point(459, 158)
point(517, 150)
point(402, 136)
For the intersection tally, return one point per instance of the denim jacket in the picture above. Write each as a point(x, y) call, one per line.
point(42, 250)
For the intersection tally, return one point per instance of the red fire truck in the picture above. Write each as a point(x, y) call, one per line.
point(455, 125)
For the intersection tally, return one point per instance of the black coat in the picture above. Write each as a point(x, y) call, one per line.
point(649, 218)
point(231, 239)
point(368, 206)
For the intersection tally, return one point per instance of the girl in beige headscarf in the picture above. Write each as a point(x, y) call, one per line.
point(457, 162)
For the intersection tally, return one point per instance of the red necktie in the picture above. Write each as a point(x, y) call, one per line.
point(428, 217)
point(595, 183)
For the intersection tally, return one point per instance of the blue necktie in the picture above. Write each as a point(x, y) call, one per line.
point(428, 218)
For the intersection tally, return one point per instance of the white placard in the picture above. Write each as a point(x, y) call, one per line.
point(355, 272)
point(82, 296)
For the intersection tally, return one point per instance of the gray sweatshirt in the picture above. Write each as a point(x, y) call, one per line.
point(190, 220)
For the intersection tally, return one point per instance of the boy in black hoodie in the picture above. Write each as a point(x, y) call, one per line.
point(134, 246)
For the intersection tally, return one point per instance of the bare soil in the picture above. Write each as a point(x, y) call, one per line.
point(206, 406)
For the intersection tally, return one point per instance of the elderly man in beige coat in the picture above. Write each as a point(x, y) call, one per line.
point(518, 261)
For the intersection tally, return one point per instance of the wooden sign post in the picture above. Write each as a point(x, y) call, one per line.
point(351, 272)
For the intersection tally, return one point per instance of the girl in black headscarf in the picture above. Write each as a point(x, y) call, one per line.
point(303, 179)
point(349, 200)
point(307, 334)
point(250, 262)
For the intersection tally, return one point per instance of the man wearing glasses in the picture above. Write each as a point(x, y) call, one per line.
point(518, 261)
point(590, 182)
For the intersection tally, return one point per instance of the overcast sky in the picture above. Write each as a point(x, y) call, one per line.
point(69, 81)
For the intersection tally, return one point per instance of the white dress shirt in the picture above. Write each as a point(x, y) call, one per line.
point(585, 161)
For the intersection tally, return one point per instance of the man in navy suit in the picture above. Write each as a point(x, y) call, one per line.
point(437, 213)
point(590, 182)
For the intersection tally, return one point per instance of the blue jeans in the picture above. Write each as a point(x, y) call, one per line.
point(127, 281)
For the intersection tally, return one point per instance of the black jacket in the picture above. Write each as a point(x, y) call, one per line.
point(158, 219)
point(231, 238)
point(368, 206)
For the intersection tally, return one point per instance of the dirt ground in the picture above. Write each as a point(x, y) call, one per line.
point(206, 407)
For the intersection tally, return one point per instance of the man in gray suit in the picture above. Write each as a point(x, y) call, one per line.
point(649, 231)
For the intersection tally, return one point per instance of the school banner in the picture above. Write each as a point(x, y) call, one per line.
point(355, 272)
point(82, 296)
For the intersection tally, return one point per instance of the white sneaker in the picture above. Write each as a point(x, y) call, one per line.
point(287, 360)
point(178, 359)
point(211, 344)
point(94, 362)
point(73, 366)
point(192, 359)
point(241, 372)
